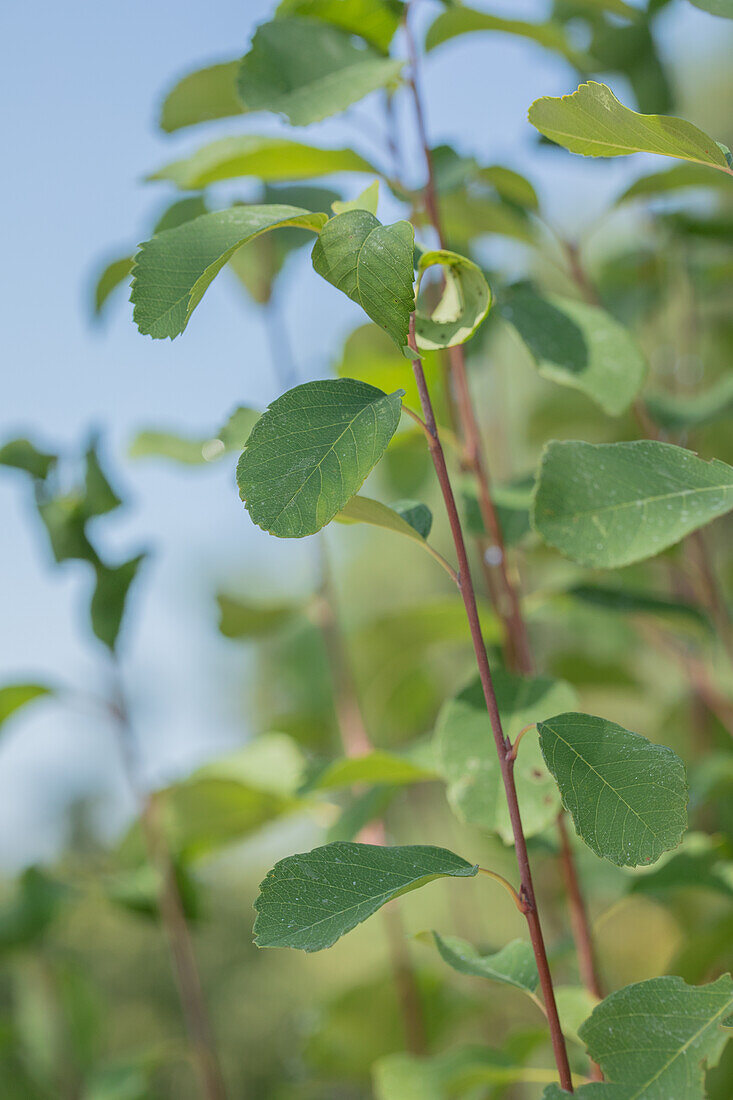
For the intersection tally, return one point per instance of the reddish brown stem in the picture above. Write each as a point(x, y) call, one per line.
point(578, 914)
point(503, 745)
point(173, 919)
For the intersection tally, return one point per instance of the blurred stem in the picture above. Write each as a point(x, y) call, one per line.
point(578, 915)
point(503, 593)
point(172, 913)
point(281, 354)
point(503, 745)
point(711, 591)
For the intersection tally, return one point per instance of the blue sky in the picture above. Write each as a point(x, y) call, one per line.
point(81, 84)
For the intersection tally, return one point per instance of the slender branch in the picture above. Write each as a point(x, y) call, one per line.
point(521, 905)
point(503, 746)
point(517, 741)
point(418, 419)
point(172, 913)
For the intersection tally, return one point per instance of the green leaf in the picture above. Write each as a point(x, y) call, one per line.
point(593, 122)
point(311, 451)
point(469, 763)
point(371, 356)
point(269, 159)
point(578, 345)
point(636, 602)
point(677, 178)
point(359, 811)
point(373, 265)
point(374, 20)
point(463, 306)
point(113, 275)
point(179, 212)
point(412, 521)
point(307, 71)
point(173, 270)
point(467, 217)
point(309, 901)
point(15, 696)
point(36, 902)
point(21, 454)
point(512, 965)
point(243, 619)
point(701, 862)
point(110, 595)
point(512, 502)
point(627, 796)
point(201, 96)
point(99, 496)
point(368, 200)
point(457, 20)
point(376, 767)
point(191, 451)
point(611, 504)
point(465, 1072)
point(723, 8)
point(677, 413)
point(666, 1056)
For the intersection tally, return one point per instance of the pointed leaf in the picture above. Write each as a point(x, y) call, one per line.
point(373, 265)
point(270, 159)
point(113, 275)
point(310, 452)
point(627, 796)
point(374, 20)
point(512, 965)
point(201, 96)
point(458, 19)
point(15, 696)
point(308, 70)
point(677, 178)
point(578, 345)
point(463, 306)
point(309, 901)
point(110, 595)
point(593, 122)
point(469, 763)
point(611, 504)
point(683, 1028)
point(173, 270)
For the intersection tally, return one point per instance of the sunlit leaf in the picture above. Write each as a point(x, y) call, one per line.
point(627, 796)
point(680, 177)
point(467, 217)
point(683, 1028)
point(374, 20)
point(201, 96)
point(463, 306)
point(459, 1072)
point(205, 813)
point(196, 451)
point(15, 696)
point(173, 270)
point(373, 265)
point(240, 618)
point(457, 19)
point(308, 70)
point(410, 519)
point(469, 762)
point(376, 767)
point(269, 159)
point(512, 965)
point(310, 452)
point(578, 345)
point(610, 504)
point(371, 356)
point(367, 200)
point(310, 900)
point(593, 122)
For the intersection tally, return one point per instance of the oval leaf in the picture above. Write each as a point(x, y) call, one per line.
point(665, 1057)
point(578, 345)
point(269, 159)
point(173, 271)
point(307, 71)
point(611, 504)
point(373, 265)
point(309, 901)
point(311, 451)
point(593, 122)
point(468, 761)
point(627, 796)
point(463, 306)
point(201, 96)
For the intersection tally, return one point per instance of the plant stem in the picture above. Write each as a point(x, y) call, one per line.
point(578, 916)
point(504, 594)
point(503, 745)
point(172, 915)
